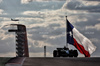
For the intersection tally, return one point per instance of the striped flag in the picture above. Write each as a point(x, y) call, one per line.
point(83, 44)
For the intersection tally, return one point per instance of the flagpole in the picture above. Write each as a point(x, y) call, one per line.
point(66, 33)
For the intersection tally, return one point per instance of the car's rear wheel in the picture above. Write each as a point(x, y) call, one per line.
point(55, 53)
point(75, 53)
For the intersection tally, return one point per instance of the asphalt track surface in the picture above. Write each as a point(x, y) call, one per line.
point(61, 61)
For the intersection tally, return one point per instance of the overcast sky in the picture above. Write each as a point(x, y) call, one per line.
point(45, 22)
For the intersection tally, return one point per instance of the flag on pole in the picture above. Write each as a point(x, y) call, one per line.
point(83, 44)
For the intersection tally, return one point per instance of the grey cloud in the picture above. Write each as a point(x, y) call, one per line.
point(0, 1)
point(36, 35)
point(54, 25)
point(95, 10)
point(92, 0)
point(7, 45)
point(96, 53)
point(57, 41)
point(48, 30)
point(91, 33)
point(57, 31)
point(40, 49)
point(35, 49)
point(77, 5)
point(37, 27)
point(27, 1)
point(15, 8)
point(72, 5)
point(91, 19)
